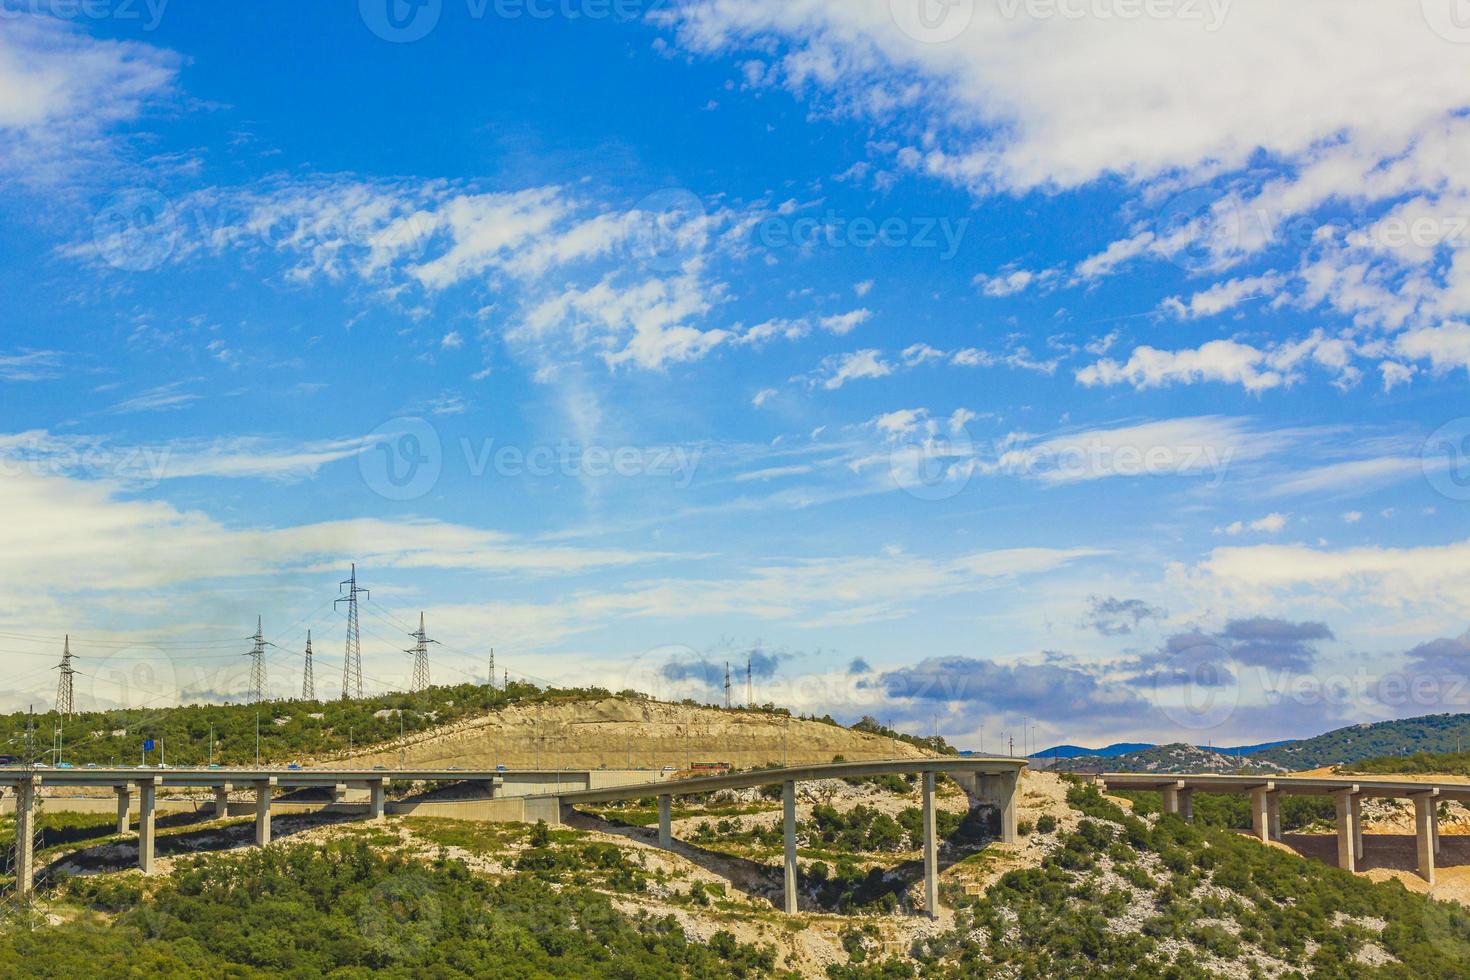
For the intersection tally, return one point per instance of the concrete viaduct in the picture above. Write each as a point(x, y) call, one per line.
point(515, 796)
point(1348, 792)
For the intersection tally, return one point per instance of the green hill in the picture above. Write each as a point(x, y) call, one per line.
point(1431, 733)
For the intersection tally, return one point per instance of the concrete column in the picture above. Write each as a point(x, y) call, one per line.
point(124, 804)
point(1346, 835)
point(1000, 789)
point(147, 793)
point(1261, 812)
point(1357, 815)
point(339, 793)
point(788, 807)
point(665, 821)
point(1434, 827)
point(25, 829)
point(1273, 816)
point(263, 811)
point(1171, 797)
point(377, 797)
point(1186, 805)
point(931, 850)
point(1424, 821)
point(222, 801)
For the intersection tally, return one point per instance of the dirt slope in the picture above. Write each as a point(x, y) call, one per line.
point(620, 734)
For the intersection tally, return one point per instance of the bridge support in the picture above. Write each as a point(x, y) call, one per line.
point(339, 793)
point(1357, 815)
point(124, 804)
point(665, 821)
point(788, 807)
point(1273, 816)
point(1426, 828)
point(1261, 812)
point(1186, 805)
point(222, 801)
point(1001, 791)
point(1171, 796)
point(147, 796)
point(25, 831)
point(1347, 833)
point(377, 798)
point(931, 850)
point(263, 811)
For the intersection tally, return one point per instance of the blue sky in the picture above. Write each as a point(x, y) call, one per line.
point(980, 364)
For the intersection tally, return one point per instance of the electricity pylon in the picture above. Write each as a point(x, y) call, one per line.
point(308, 679)
point(727, 683)
point(420, 652)
point(257, 664)
point(352, 661)
point(64, 705)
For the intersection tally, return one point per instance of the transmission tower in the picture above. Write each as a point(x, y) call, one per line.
point(491, 676)
point(64, 705)
point(420, 651)
point(727, 683)
point(308, 679)
point(352, 662)
point(257, 664)
point(749, 687)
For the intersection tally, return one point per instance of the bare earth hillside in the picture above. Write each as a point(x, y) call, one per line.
point(616, 733)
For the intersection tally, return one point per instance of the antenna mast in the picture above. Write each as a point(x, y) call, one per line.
point(64, 705)
point(352, 661)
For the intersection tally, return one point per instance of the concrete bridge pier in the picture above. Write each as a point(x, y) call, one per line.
point(1261, 810)
point(25, 830)
point(931, 850)
point(1347, 830)
point(147, 798)
point(665, 821)
point(1001, 790)
point(339, 793)
point(377, 796)
point(1273, 815)
point(1357, 815)
point(124, 804)
point(263, 810)
point(1426, 829)
point(222, 801)
point(1186, 805)
point(1170, 793)
point(788, 807)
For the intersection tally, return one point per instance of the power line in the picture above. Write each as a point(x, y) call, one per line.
point(257, 664)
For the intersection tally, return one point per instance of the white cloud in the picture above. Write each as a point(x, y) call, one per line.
point(863, 288)
point(763, 396)
point(452, 341)
point(1354, 476)
point(1229, 362)
point(1270, 524)
point(838, 369)
point(1223, 296)
point(1447, 348)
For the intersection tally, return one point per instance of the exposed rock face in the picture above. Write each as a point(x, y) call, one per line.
point(618, 734)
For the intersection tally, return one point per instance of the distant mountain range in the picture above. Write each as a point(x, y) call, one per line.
point(1342, 746)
